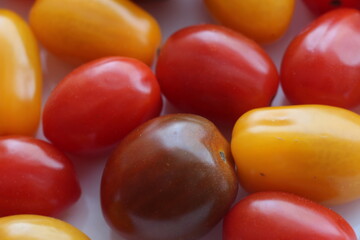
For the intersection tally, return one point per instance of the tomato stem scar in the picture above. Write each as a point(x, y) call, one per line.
point(335, 2)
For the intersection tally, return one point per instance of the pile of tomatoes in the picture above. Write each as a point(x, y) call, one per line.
point(177, 175)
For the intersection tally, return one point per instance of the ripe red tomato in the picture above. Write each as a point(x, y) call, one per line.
point(97, 104)
point(215, 72)
point(322, 64)
point(35, 178)
point(171, 178)
point(280, 216)
point(321, 6)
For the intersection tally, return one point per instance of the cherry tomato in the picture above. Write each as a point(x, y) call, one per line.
point(322, 64)
point(20, 77)
point(264, 21)
point(215, 72)
point(35, 178)
point(280, 216)
point(97, 104)
point(82, 30)
point(309, 150)
point(171, 178)
point(34, 227)
point(322, 6)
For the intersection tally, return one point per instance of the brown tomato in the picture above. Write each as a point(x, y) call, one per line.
point(171, 178)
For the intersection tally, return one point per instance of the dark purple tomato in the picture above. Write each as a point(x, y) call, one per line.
point(171, 178)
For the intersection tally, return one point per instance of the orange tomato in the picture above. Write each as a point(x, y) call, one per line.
point(309, 150)
point(264, 21)
point(20, 77)
point(82, 30)
point(35, 227)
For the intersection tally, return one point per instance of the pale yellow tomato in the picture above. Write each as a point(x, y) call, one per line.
point(264, 21)
point(35, 227)
point(309, 150)
point(83, 30)
point(20, 77)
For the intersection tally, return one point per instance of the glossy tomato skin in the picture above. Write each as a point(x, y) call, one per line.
point(265, 21)
point(97, 104)
point(283, 216)
point(35, 178)
point(322, 6)
point(173, 173)
point(309, 150)
point(321, 65)
point(215, 72)
point(20, 77)
point(36, 227)
point(79, 31)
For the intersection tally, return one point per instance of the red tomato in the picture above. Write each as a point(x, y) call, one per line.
point(35, 178)
point(321, 6)
point(283, 216)
point(97, 104)
point(322, 64)
point(215, 72)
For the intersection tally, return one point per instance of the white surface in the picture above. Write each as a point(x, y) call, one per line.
point(172, 15)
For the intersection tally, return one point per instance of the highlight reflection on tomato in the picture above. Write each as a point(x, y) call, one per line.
point(35, 178)
point(278, 215)
point(171, 178)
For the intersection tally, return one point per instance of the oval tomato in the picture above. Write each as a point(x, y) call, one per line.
point(278, 215)
point(82, 30)
point(35, 178)
point(265, 21)
point(171, 178)
point(34, 227)
point(309, 150)
point(322, 64)
point(97, 104)
point(20, 77)
point(321, 6)
point(215, 72)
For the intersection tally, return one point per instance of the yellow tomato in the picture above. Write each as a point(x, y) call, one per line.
point(262, 20)
point(83, 30)
point(20, 77)
point(309, 150)
point(35, 227)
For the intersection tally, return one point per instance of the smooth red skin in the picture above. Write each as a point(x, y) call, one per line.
point(322, 64)
point(35, 178)
point(97, 104)
point(215, 72)
point(322, 6)
point(283, 216)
